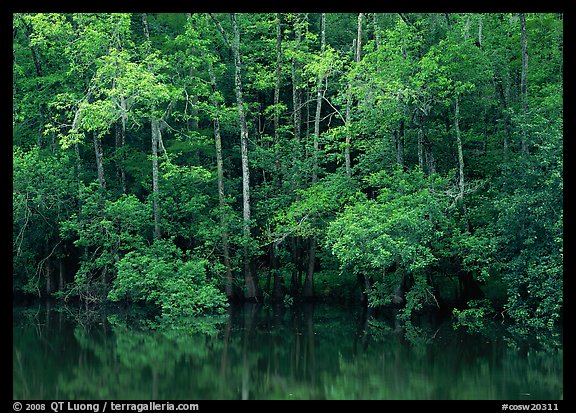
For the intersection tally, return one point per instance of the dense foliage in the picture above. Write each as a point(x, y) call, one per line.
point(185, 160)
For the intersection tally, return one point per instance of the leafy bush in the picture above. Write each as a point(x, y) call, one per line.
point(399, 233)
point(473, 317)
point(163, 275)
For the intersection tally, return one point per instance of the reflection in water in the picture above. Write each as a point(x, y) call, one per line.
point(254, 352)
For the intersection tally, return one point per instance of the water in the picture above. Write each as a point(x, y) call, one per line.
point(305, 352)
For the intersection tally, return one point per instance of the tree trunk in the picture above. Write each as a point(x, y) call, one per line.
point(251, 284)
point(318, 103)
point(124, 118)
point(228, 285)
point(359, 38)
point(278, 289)
point(61, 274)
point(277, 175)
point(400, 149)
point(308, 290)
point(421, 118)
point(502, 87)
point(278, 75)
point(524, 81)
point(296, 68)
point(347, 161)
point(429, 154)
point(99, 160)
point(358, 46)
point(156, 138)
point(480, 30)
point(398, 136)
point(278, 286)
point(425, 153)
point(119, 168)
point(296, 83)
point(155, 183)
point(460, 199)
point(376, 30)
point(309, 281)
point(460, 152)
point(297, 261)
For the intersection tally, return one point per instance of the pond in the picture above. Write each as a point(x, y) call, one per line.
point(260, 352)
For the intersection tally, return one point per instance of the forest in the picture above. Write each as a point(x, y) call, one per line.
point(193, 160)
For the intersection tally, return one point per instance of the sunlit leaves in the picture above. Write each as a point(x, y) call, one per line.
point(401, 227)
point(163, 275)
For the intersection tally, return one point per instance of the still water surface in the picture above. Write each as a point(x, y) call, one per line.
point(300, 352)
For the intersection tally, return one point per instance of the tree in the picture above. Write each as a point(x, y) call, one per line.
point(524, 81)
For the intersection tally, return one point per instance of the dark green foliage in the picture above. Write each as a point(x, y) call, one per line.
point(43, 194)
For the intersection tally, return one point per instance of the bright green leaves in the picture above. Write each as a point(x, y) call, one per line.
point(318, 205)
point(113, 227)
point(185, 199)
point(477, 252)
point(400, 223)
point(402, 228)
point(323, 65)
point(473, 318)
point(162, 274)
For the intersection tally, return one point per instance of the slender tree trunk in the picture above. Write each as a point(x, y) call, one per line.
point(480, 30)
point(61, 274)
point(120, 134)
point(400, 148)
point(308, 290)
point(99, 160)
point(297, 175)
point(319, 93)
point(348, 120)
point(296, 83)
point(429, 154)
point(49, 284)
point(156, 138)
point(120, 142)
point(503, 89)
point(460, 199)
point(421, 149)
point(309, 282)
point(376, 30)
point(425, 153)
point(359, 37)
point(316, 134)
point(228, 285)
point(251, 284)
point(277, 290)
point(277, 175)
point(358, 46)
point(524, 80)
point(347, 161)
point(155, 181)
point(124, 119)
point(229, 279)
point(460, 152)
point(278, 75)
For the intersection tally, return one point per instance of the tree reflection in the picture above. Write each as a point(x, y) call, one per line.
point(271, 352)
